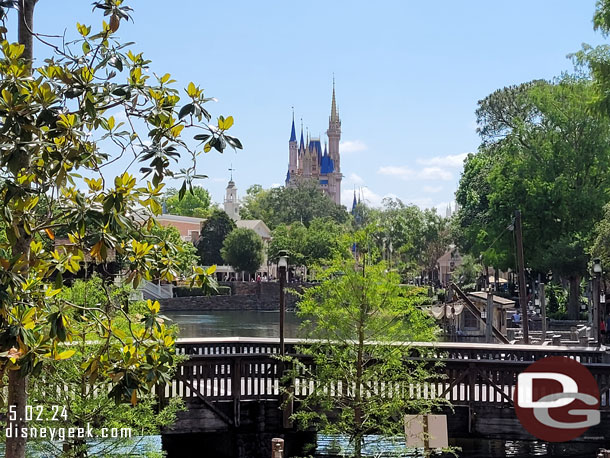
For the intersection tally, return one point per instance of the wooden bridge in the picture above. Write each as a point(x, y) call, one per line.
point(232, 388)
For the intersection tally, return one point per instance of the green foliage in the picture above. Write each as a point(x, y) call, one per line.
point(410, 239)
point(546, 153)
point(306, 245)
point(195, 202)
point(348, 311)
point(83, 393)
point(243, 250)
point(213, 233)
point(189, 292)
point(286, 205)
point(183, 254)
point(467, 272)
point(57, 125)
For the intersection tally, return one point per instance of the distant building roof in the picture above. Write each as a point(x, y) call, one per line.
point(257, 225)
point(179, 218)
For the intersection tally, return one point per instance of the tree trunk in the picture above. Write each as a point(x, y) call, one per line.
point(26, 26)
point(17, 384)
point(574, 298)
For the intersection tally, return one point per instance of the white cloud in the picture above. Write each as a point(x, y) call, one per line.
point(351, 146)
point(276, 185)
point(433, 188)
point(405, 173)
point(369, 197)
point(434, 173)
point(451, 160)
point(354, 178)
point(396, 171)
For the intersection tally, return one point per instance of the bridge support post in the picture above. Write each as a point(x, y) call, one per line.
point(277, 448)
point(489, 318)
point(236, 390)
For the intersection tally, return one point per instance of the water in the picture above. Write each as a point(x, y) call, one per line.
point(234, 324)
point(329, 446)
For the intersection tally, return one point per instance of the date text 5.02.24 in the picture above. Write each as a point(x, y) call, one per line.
point(39, 413)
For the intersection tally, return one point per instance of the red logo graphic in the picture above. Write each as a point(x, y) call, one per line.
point(557, 399)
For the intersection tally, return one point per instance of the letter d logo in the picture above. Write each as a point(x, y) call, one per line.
point(557, 399)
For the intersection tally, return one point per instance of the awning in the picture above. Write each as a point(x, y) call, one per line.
point(447, 310)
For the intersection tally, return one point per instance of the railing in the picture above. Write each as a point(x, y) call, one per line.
point(239, 369)
point(444, 350)
point(157, 290)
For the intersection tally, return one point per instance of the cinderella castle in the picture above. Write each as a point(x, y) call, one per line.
point(307, 161)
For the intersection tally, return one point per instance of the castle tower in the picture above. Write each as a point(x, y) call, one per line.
point(309, 162)
point(231, 204)
point(334, 136)
point(293, 156)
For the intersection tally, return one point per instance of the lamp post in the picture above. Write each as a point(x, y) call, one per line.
point(282, 265)
point(597, 273)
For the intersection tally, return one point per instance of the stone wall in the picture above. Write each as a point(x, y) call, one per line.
point(245, 296)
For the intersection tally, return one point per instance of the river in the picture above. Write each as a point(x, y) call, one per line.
point(234, 324)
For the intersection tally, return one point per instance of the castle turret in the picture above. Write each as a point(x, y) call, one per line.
point(334, 136)
point(292, 147)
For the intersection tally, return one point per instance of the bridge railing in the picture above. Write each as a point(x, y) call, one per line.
point(248, 369)
point(448, 350)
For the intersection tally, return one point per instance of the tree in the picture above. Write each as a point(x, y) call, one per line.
point(195, 203)
point(184, 254)
point(243, 250)
point(289, 239)
point(67, 386)
point(548, 155)
point(286, 205)
point(55, 119)
point(468, 272)
point(361, 322)
point(306, 246)
point(213, 233)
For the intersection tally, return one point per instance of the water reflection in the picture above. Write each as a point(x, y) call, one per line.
point(234, 323)
point(331, 447)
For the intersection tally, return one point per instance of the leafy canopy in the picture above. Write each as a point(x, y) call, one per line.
point(213, 233)
point(286, 205)
point(56, 143)
point(195, 203)
point(361, 321)
point(242, 249)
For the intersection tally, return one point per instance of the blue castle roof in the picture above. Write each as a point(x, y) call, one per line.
point(327, 165)
point(293, 135)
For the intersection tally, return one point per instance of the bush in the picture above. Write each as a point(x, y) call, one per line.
point(184, 291)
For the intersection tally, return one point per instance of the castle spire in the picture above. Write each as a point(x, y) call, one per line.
point(293, 135)
point(302, 146)
point(334, 115)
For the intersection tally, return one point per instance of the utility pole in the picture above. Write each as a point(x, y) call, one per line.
point(522, 293)
point(542, 299)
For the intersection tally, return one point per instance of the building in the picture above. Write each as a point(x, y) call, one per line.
point(308, 162)
point(231, 207)
point(447, 263)
point(231, 203)
point(188, 226)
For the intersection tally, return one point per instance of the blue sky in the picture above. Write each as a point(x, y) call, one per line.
point(408, 76)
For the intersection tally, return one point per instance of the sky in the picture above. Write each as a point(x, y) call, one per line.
point(408, 77)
